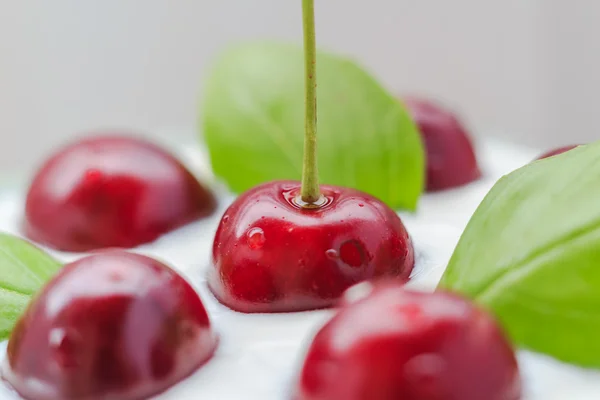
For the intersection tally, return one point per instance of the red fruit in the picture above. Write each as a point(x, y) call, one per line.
point(557, 151)
point(451, 160)
point(113, 325)
point(111, 192)
point(397, 344)
point(270, 254)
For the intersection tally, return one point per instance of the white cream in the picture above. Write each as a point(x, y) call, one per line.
point(260, 354)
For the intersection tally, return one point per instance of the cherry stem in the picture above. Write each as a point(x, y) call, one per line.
point(310, 192)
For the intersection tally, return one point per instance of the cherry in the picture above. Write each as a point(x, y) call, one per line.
point(111, 325)
point(398, 344)
point(272, 254)
point(451, 160)
point(291, 246)
point(557, 151)
point(111, 191)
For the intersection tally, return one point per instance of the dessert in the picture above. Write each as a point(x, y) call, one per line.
point(111, 191)
point(271, 253)
point(260, 355)
point(557, 151)
point(132, 328)
point(450, 159)
point(112, 325)
point(400, 344)
point(291, 246)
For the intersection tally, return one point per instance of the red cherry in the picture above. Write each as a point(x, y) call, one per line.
point(111, 191)
point(451, 160)
point(557, 151)
point(398, 344)
point(271, 254)
point(113, 325)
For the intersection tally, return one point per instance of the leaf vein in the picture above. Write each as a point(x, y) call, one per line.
point(13, 289)
point(508, 275)
point(20, 263)
point(276, 133)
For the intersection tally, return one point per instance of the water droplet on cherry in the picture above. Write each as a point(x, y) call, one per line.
point(352, 253)
point(256, 238)
point(225, 219)
point(332, 254)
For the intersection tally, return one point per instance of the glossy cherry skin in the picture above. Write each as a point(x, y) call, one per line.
point(270, 254)
point(113, 325)
point(399, 344)
point(557, 151)
point(111, 191)
point(451, 160)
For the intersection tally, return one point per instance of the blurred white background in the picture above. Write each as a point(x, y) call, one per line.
point(522, 69)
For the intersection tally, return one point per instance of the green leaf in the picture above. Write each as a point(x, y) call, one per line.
point(253, 124)
point(531, 254)
point(24, 269)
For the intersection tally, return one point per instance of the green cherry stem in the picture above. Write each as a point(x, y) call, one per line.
point(310, 192)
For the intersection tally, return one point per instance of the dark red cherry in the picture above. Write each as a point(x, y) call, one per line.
point(271, 254)
point(557, 151)
point(451, 159)
point(398, 344)
point(111, 191)
point(113, 325)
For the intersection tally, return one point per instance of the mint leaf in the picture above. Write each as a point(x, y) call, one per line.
point(531, 254)
point(253, 124)
point(24, 269)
